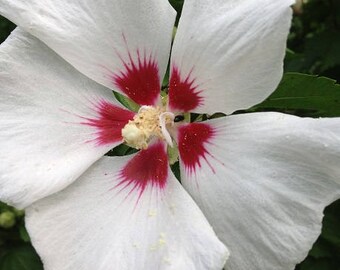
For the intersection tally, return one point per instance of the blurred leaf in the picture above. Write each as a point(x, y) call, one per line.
point(9, 234)
point(5, 28)
point(21, 257)
point(315, 39)
point(331, 221)
point(320, 264)
point(325, 254)
point(24, 234)
point(304, 95)
point(4, 207)
point(321, 53)
point(321, 249)
point(325, 48)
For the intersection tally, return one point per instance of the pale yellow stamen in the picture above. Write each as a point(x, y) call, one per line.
point(148, 123)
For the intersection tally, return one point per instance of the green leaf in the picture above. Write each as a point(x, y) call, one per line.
point(24, 234)
point(5, 28)
point(177, 5)
point(165, 82)
point(20, 258)
point(304, 95)
point(5, 207)
point(321, 249)
point(331, 224)
point(321, 53)
point(321, 264)
point(121, 150)
point(127, 102)
point(176, 170)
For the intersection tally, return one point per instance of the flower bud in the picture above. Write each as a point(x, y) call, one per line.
point(7, 219)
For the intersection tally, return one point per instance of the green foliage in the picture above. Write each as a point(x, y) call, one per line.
point(16, 252)
point(325, 254)
point(304, 95)
point(331, 232)
point(21, 257)
point(121, 150)
point(5, 28)
point(177, 5)
point(126, 102)
point(315, 39)
point(314, 44)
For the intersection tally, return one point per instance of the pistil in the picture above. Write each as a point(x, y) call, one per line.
point(150, 122)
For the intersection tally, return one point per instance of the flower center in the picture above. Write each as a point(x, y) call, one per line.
point(150, 122)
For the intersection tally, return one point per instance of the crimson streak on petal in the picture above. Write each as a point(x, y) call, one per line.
point(147, 167)
point(109, 123)
point(192, 141)
point(183, 93)
point(140, 79)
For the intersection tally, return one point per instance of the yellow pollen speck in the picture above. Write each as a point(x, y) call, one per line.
point(167, 260)
point(153, 247)
point(161, 239)
point(172, 208)
point(152, 213)
point(161, 242)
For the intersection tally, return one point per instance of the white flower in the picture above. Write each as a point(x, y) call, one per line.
point(261, 180)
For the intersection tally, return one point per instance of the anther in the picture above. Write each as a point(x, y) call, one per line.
point(148, 123)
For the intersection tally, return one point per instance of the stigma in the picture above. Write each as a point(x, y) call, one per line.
point(150, 122)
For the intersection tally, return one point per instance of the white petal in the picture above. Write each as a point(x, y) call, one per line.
point(123, 45)
point(227, 54)
point(54, 122)
point(98, 223)
point(263, 180)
